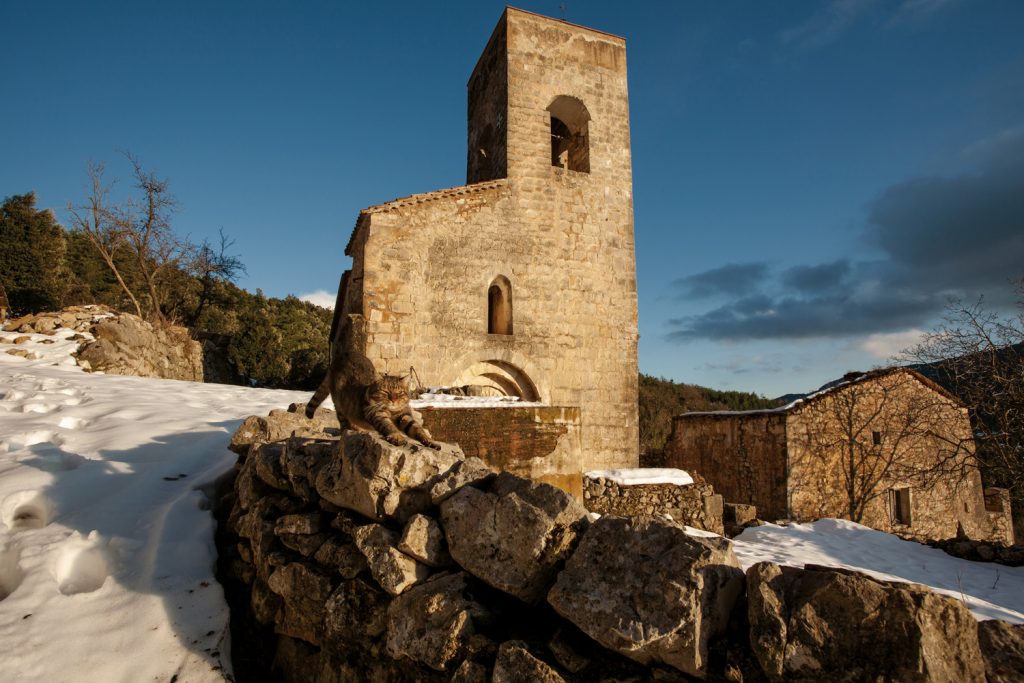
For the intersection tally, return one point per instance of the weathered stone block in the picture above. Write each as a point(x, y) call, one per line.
point(514, 536)
point(393, 570)
point(644, 588)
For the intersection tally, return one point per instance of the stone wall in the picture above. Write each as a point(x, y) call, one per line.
point(903, 434)
point(742, 456)
point(695, 505)
point(350, 559)
point(542, 443)
point(422, 265)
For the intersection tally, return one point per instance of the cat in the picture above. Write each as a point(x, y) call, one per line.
point(365, 401)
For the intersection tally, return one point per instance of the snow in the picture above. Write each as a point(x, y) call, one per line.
point(106, 544)
point(106, 538)
point(432, 400)
point(638, 476)
point(991, 591)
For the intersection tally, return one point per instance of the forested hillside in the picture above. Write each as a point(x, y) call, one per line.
point(662, 399)
point(279, 343)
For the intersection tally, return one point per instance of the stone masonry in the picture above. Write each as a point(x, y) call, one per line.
point(524, 280)
point(889, 449)
point(695, 505)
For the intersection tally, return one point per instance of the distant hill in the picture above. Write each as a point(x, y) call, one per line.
point(663, 399)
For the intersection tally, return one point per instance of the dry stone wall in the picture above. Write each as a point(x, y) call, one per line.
point(347, 559)
point(695, 505)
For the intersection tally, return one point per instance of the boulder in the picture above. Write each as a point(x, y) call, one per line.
point(515, 663)
point(356, 613)
point(644, 588)
point(304, 591)
point(423, 540)
point(1002, 647)
point(382, 481)
point(282, 424)
point(817, 623)
point(343, 558)
point(393, 570)
point(469, 472)
point(436, 623)
point(128, 345)
point(515, 536)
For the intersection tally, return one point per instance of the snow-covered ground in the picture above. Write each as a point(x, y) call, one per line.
point(640, 476)
point(106, 540)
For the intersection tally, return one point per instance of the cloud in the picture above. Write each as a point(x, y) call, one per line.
point(816, 278)
point(320, 297)
point(734, 279)
point(826, 25)
point(887, 345)
point(915, 12)
point(940, 237)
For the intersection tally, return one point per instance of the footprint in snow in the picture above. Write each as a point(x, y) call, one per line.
point(71, 422)
point(11, 573)
point(27, 510)
point(37, 408)
point(82, 564)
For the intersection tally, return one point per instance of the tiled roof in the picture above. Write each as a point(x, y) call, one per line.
point(421, 199)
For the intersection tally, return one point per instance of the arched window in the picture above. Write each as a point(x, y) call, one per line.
point(570, 137)
point(499, 306)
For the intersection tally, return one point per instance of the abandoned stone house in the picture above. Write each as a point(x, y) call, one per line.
point(889, 449)
point(523, 280)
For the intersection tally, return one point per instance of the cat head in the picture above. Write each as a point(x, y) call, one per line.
point(392, 390)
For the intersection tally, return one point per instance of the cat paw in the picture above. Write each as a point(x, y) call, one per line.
point(432, 444)
point(397, 440)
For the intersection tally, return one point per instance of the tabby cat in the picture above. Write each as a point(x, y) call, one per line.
point(365, 401)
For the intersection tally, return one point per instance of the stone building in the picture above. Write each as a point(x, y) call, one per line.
point(522, 281)
point(889, 448)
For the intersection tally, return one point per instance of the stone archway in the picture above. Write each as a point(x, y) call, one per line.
point(499, 378)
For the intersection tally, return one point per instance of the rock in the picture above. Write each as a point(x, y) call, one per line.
point(469, 472)
point(422, 539)
point(265, 603)
point(344, 558)
point(355, 613)
point(302, 523)
point(305, 545)
point(435, 623)
point(471, 672)
point(282, 424)
point(1002, 648)
point(817, 624)
point(644, 588)
point(515, 664)
point(382, 481)
point(128, 345)
point(515, 536)
point(21, 339)
point(393, 570)
point(267, 457)
point(566, 653)
point(304, 591)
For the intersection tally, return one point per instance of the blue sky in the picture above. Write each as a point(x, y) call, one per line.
point(812, 180)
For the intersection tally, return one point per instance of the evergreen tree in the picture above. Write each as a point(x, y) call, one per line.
point(32, 251)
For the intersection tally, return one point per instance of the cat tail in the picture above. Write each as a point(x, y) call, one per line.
point(322, 392)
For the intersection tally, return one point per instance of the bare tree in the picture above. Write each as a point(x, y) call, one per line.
point(979, 355)
point(212, 265)
point(103, 225)
point(858, 439)
point(147, 227)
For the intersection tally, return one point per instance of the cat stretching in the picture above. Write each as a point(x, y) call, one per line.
point(365, 401)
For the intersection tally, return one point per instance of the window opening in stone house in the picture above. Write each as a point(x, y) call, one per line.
point(499, 306)
point(993, 503)
point(570, 137)
point(899, 505)
point(876, 438)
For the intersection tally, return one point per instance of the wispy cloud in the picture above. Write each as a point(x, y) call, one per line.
point(915, 12)
point(889, 345)
point(735, 279)
point(941, 236)
point(320, 297)
point(827, 24)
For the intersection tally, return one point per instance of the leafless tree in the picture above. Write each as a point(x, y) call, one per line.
point(212, 265)
point(147, 227)
point(870, 431)
point(979, 355)
point(103, 224)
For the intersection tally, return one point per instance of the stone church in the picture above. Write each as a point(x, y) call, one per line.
point(524, 279)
